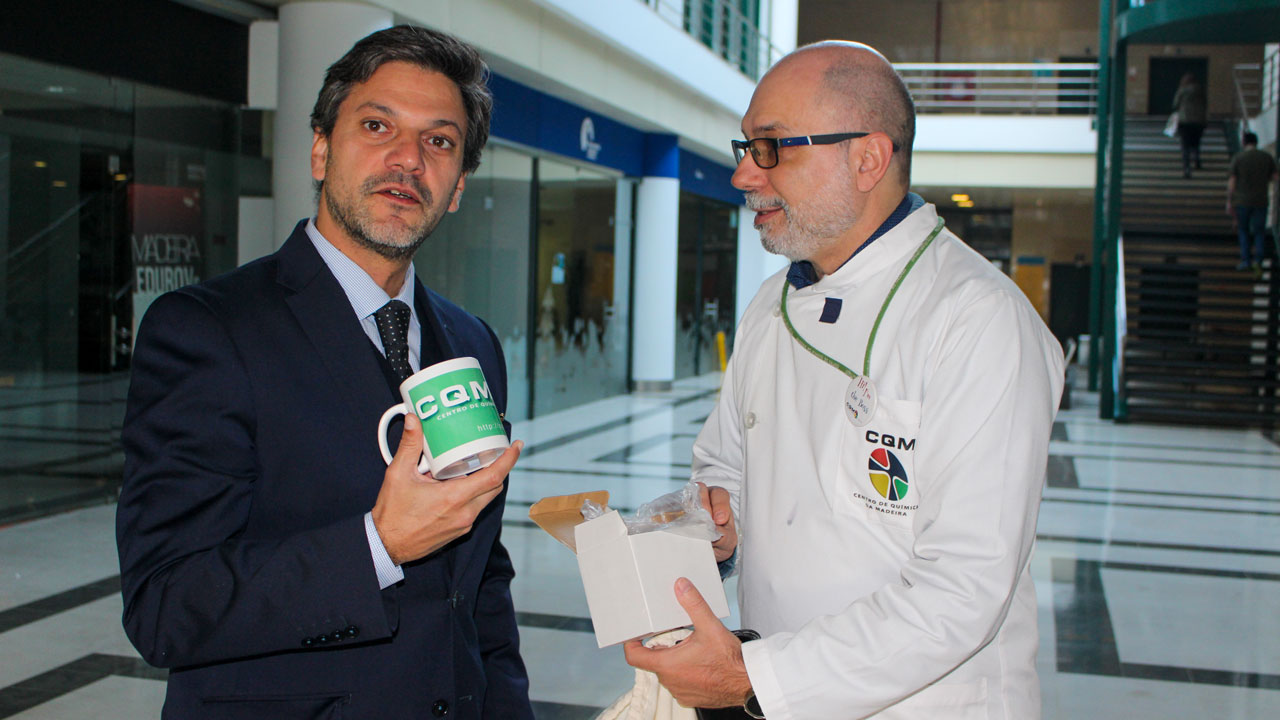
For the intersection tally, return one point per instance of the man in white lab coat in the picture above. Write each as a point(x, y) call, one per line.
point(881, 437)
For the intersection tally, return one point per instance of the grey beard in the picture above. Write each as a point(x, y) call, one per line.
point(798, 240)
point(354, 225)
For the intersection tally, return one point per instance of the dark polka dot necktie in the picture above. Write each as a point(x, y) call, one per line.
point(393, 328)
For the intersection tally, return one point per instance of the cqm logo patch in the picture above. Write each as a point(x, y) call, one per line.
point(887, 475)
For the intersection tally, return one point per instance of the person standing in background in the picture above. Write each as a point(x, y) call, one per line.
point(1247, 183)
point(1189, 102)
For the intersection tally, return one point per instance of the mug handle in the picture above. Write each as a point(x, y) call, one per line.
point(424, 466)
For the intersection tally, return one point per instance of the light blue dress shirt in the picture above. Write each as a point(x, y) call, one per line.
point(367, 297)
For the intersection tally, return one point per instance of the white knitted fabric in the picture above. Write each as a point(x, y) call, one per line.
point(648, 700)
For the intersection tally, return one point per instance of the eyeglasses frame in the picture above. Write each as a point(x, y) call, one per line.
point(741, 148)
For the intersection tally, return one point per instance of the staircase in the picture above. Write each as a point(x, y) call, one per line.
point(1201, 336)
point(1156, 196)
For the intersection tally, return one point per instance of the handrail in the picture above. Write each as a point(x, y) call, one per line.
point(1005, 88)
point(1246, 79)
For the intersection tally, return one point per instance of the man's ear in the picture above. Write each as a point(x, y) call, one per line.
point(319, 155)
point(870, 160)
point(457, 193)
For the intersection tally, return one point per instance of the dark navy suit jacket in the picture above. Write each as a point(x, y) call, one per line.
point(250, 460)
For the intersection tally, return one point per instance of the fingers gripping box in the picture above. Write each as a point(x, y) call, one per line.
point(630, 579)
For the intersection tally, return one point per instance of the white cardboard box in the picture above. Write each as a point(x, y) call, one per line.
point(630, 579)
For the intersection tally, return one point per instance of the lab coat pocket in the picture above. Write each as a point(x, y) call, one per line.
point(877, 466)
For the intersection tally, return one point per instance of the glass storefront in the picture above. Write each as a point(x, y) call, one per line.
point(555, 292)
point(110, 193)
point(705, 281)
point(478, 257)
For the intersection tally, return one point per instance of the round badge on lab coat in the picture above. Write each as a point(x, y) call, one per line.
point(860, 401)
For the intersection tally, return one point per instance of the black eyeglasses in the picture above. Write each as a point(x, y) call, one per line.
point(764, 150)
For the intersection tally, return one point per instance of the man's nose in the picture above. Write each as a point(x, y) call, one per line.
point(405, 154)
point(748, 176)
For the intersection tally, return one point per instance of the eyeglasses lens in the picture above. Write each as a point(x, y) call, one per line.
point(764, 153)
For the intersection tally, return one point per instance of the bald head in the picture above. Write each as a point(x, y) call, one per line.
point(860, 91)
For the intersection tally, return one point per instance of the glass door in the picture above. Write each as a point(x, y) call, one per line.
point(579, 299)
point(705, 282)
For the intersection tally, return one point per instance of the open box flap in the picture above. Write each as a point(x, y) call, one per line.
point(559, 514)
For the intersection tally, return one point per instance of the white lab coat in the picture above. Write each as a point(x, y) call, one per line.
point(919, 607)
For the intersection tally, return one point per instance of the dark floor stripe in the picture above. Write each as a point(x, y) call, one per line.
point(37, 610)
point(79, 381)
point(1059, 431)
point(79, 402)
point(543, 710)
point(60, 428)
point(1200, 676)
point(1172, 493)
point(28, 439)
point(624, 454)
point(554, 622)
point(563, 440)
point(1217, 467)
point(602, 473)
point(1062, 473)
point(101, 494)
point(71, 677)
point(1110, 542)
point(1203, 572)
point(1085, 640)
point(1149, 506)
point(1163, 446)
point(43, 468)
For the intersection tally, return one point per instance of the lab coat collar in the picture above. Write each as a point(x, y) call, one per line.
point(802, 274)
point(887, 253)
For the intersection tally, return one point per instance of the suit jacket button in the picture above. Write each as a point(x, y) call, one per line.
point(322, 638)
point(308, 642)
point(352, 631)
point(440, 709)
point(337, 636)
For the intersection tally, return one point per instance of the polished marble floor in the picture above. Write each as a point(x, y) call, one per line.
point(1157, 565)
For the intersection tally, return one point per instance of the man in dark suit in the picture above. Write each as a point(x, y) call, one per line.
point(268, 555)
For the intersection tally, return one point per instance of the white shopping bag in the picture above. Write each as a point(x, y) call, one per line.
point(1171, 127)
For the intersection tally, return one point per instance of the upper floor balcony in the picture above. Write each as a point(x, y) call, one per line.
point(1004, 124)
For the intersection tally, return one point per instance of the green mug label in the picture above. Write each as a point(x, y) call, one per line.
point(455, 408)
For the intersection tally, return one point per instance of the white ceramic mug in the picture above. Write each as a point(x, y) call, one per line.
point(461, 429)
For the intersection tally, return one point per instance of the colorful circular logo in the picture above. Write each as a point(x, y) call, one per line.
point(887, 475)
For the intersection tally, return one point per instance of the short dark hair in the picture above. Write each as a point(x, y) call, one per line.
point(1249, 139)
point(875, 95)
point(428, 49)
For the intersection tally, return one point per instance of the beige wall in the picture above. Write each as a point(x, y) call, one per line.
point(972, 30)
point(1220, 85)
point(1058, 228)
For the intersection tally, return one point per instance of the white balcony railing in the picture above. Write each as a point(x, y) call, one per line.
point(1003, 88)
point(722, 26)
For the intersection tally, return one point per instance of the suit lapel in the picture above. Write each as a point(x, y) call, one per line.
point(460, 552)
point(324, 312)
point(428, 313)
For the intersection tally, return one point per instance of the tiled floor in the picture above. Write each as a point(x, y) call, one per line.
point(1158, 568)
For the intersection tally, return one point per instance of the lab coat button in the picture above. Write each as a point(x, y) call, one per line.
point(777, 310)
point(440, 708)
point(750, 420)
